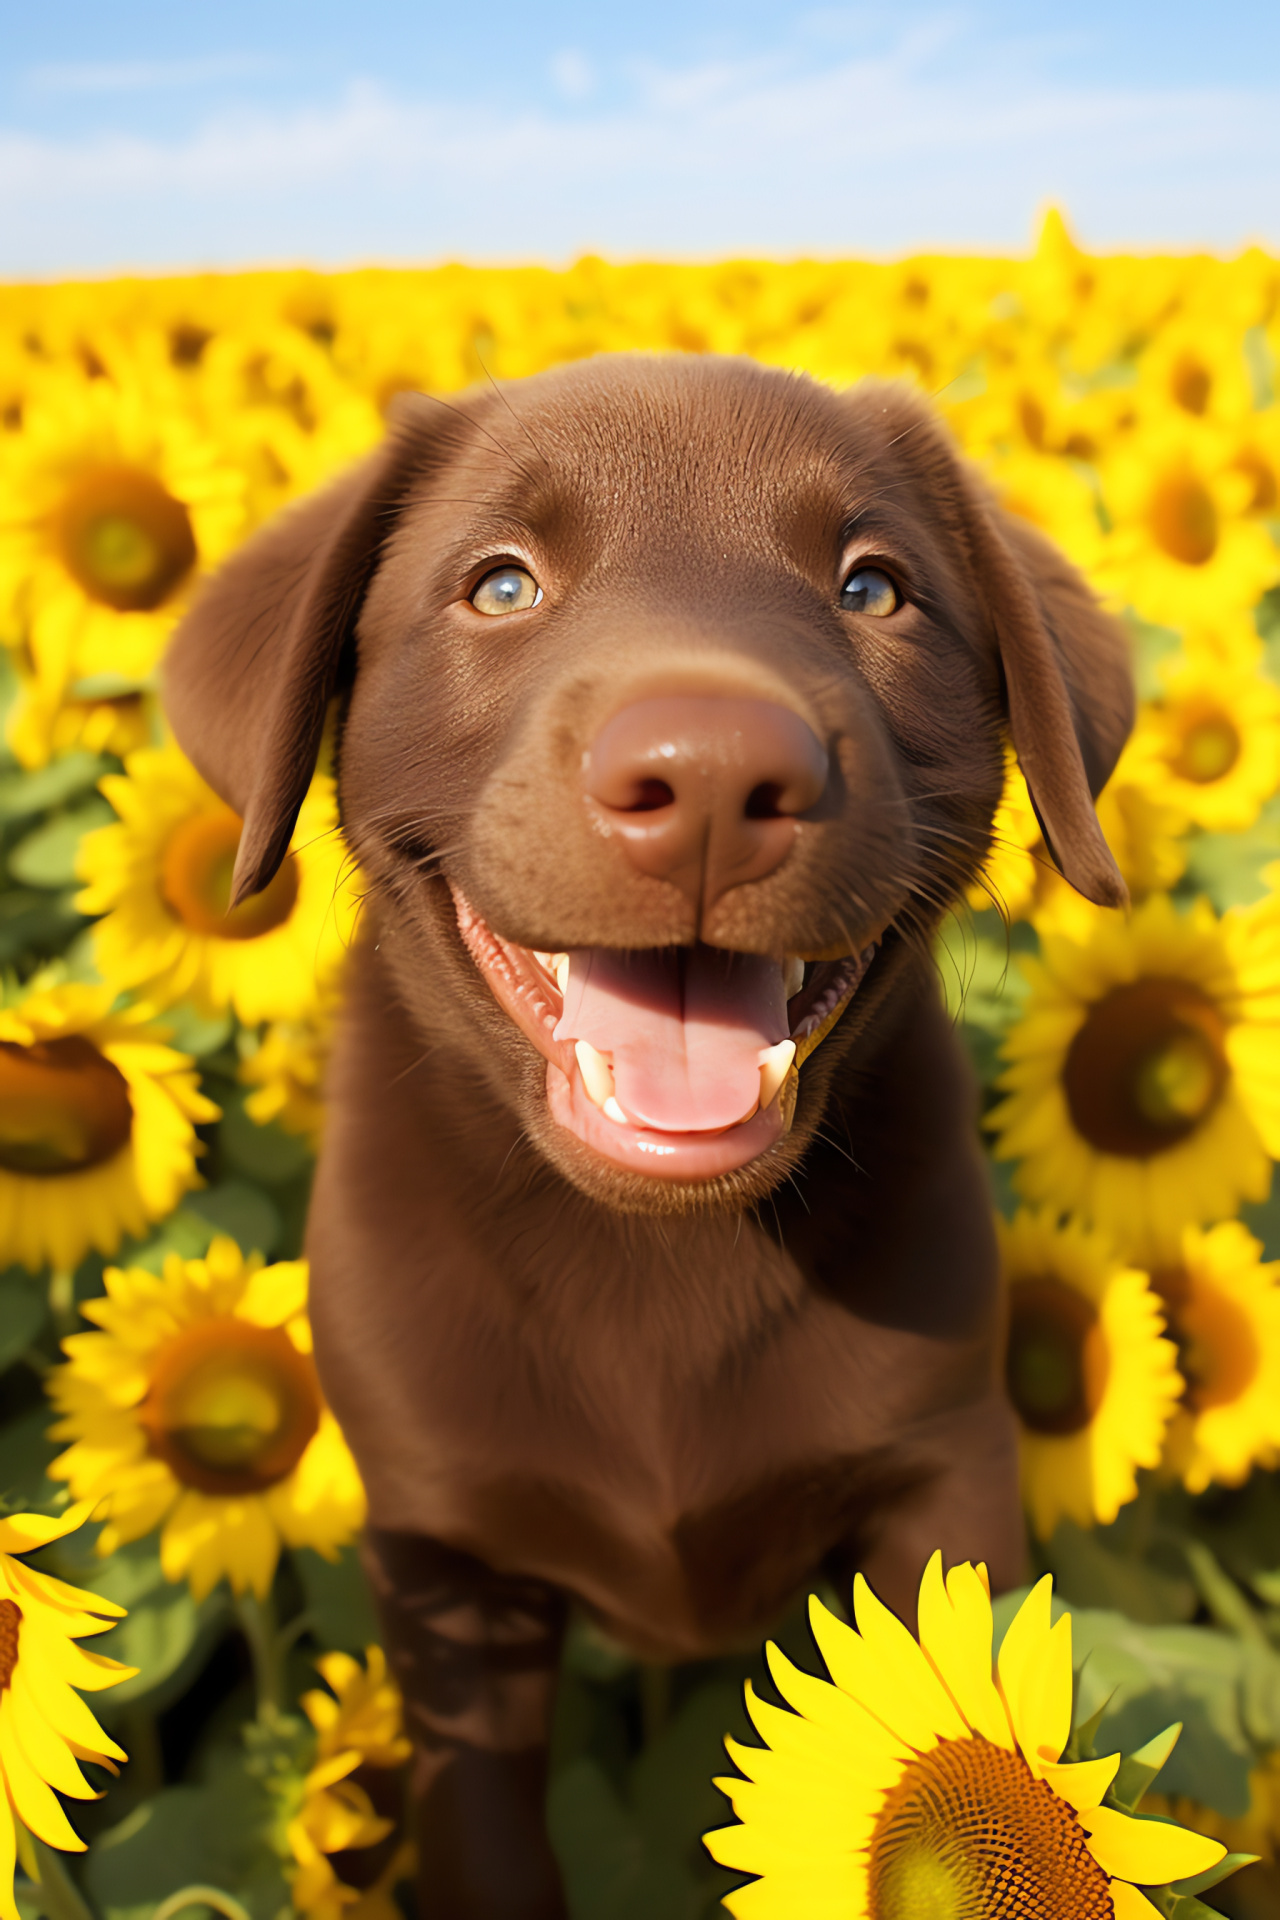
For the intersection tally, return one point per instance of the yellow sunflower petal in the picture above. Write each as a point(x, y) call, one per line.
point(955, 1633)
point(24, 1532)
point(1147, 1851)
point(35, 1804)
point(8, 1859)
point(1129, 1903)
point(1082, 1783)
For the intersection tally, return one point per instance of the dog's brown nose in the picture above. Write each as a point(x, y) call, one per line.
point(704, 790)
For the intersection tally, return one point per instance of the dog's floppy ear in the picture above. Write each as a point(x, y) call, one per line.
point(1068, 688)
point(248, 675)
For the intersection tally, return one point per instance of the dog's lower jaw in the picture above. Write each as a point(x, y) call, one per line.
point(530, 988)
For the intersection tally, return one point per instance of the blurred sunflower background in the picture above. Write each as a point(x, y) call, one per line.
point(162, 1074)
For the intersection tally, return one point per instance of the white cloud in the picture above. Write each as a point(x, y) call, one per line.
point(917, 146)
point(573, 73)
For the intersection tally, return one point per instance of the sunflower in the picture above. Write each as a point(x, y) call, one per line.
point(45, 1728)
point(1143, 1080)
point(1183, 546)
point(917, 1781)
point(1091, 1380)
point(197, 1407)
point(360, 1736)
point(121, 498)
point(1223, 1304)
point(46, 720)
point(287, 1075)
point(1214, 735)
point(97, 1124)
point(161, 876)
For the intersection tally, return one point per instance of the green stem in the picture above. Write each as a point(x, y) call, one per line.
point(61, 1898)
point(197, 1896)
point(62, 1301)
point(257, 1624)
point(1221, 1594)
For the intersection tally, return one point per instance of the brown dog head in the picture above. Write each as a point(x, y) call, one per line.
point(674, 700)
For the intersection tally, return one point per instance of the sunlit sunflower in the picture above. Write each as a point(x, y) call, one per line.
point(292, 420)
point(917, 1782)
point(45, 1728)
point(1223, 1306)
point(119, 497)
point(161, 876)
point(1055, 495)
point(287, 1075)
point(197, 1408)
point(1143, 1079)
point(1215, 739)
point(352, 1795)
point(45, 720)
point(1197, 365)
point(1091, 1380)
point(1183, 545)
point(97, 1124)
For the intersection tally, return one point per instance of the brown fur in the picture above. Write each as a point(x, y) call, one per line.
point(675, 1403)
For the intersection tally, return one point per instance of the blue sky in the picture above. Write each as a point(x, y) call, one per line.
point(168, 135)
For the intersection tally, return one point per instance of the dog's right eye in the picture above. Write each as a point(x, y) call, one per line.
point(506, 590)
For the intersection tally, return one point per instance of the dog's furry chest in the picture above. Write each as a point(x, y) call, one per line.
point(674, 1420)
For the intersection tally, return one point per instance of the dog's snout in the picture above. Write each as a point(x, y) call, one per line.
point(704, 790)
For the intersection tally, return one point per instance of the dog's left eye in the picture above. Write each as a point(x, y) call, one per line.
point(867, 590)
point(506, 590)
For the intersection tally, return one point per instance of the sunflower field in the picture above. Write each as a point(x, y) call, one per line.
point(173, 1483)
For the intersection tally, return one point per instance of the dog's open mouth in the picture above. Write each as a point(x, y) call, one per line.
point(681, 1063)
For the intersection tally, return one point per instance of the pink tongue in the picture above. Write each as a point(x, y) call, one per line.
point(683, 1026)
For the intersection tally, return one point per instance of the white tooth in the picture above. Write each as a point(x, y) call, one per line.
point(614, 1112)
point(792, 975)
point(775, 1064)
point(543, 959)
point(560, 968)
point(597, 1074)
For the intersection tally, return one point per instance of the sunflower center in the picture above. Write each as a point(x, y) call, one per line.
point(1217, 1351)
point(63, 1106)
point(1266, 489)
point(232, 1407)
point(195, 879)
point(125, 539)
point(1184, 519)
point(1191, 384)
point(10, 1621)
point(1055, 1363)
point(968, 1833)
point(1147, 1067)
point(1208, 750)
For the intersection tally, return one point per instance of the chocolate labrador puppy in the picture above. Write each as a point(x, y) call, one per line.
point(651, 1255)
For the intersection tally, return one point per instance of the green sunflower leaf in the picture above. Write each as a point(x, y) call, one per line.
point(47, 857)
point(1137, 1770)
point(1201, 1882)
point(23, 1310)
point(1179, 1906)
point(243, 1211)
point(22, 794)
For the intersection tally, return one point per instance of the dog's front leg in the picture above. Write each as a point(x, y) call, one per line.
point(476, 1656)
